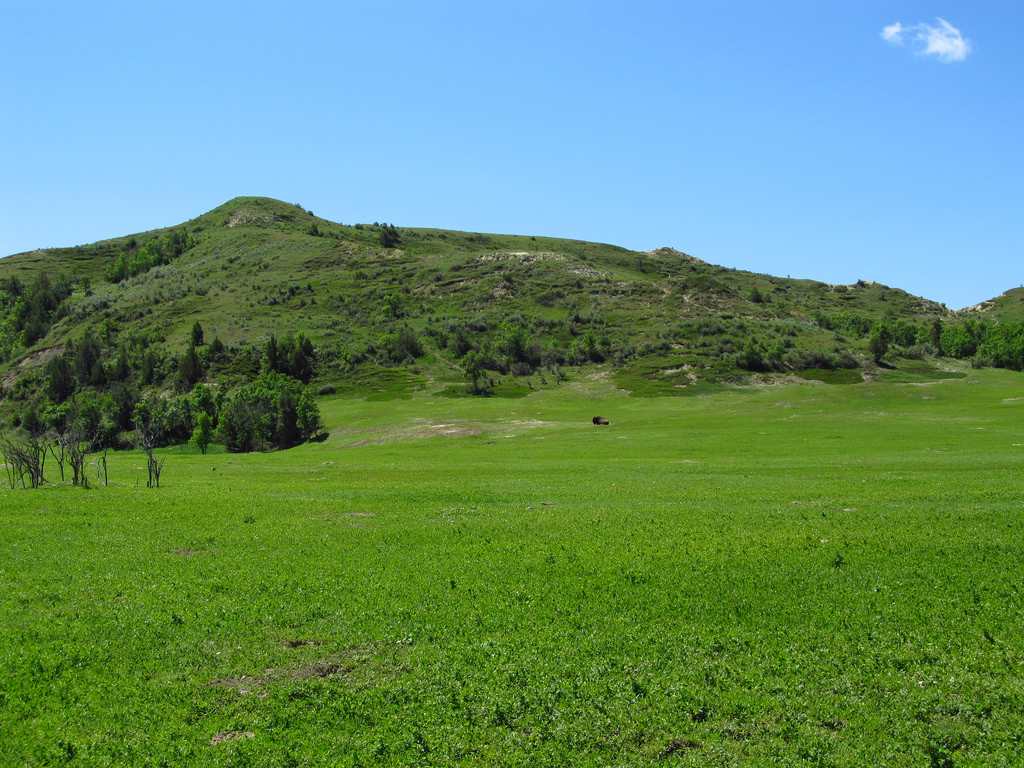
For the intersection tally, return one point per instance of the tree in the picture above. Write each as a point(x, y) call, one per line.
point(60, 379)
point(149, 418)
point(272, 411)
point(203, 401)
point(24, 459)
point(390, 237)
point(403, 346)
point(473, 366)
point(216, 350)
point(935, 335)
point(190, 368)
point(752, 358)
point(149, 372)
point(197, 335)
point(122, 370)
point(202, 435)
point(272, 356)
point(878, 341)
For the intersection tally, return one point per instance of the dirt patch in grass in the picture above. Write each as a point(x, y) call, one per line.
point(300, 643)
point(220, 738)
point(319, 669)
point(335, 665)
point(679, 745)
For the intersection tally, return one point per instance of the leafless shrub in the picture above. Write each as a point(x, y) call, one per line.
point(24, 459)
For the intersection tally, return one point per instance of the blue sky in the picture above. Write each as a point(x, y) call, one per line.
point(785, 137)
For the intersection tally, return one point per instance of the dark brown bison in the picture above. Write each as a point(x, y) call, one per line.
point(600, 421)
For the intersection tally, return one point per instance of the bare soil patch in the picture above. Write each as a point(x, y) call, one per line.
point(220, 738)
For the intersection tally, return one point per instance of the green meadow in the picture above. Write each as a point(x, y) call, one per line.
point(801, 574)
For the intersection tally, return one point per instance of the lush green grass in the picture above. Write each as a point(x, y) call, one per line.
point(798, 575)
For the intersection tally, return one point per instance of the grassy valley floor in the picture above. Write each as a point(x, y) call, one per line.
point(796, 575)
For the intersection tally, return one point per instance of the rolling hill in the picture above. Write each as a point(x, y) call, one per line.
point(255, 266)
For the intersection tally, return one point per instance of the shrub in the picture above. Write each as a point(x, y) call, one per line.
point(390, 236)
point(403, 346)
point(878, 342)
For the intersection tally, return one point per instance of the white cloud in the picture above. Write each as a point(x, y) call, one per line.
point(893, 33)
point(941, 40)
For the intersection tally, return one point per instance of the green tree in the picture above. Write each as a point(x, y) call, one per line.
point(272, 411)
point(216, 350)
point(197, 335)
point(390, 237)
point(87, 359)
point(60, 379)
point(878, 341)
point(473, 366)
point(122, 370)
point(202, 435)
point(190, 368)
point(935, 335)
point(271, 355)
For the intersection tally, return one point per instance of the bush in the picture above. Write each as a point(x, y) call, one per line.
point(403, 346)
point(326, 389)
point(390, 236)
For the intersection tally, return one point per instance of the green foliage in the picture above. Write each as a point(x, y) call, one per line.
point(26, 313)
point(295, 357)
point(390, 237)
point(202, 433)
point(879, 341)
point(190, 368)
point(60, 379)
point(273, 411)
point(1002, 347)
point(134, 259)
point(961, 340)
point(473, 365)
point(402, 347)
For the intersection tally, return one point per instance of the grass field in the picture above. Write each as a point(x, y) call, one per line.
point(793, 575)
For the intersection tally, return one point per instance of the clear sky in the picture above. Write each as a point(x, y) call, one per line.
point(833, 140)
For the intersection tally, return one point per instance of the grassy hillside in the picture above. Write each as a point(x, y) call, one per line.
point(256, 266)
point(803, 575)
point(1009, 307)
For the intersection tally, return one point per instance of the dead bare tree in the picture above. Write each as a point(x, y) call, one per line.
point(58, 450)
point(25, 459)
point(101, 466)
point(147, 437)
point(77, 451)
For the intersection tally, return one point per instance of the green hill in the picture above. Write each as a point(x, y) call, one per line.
point(1009, 307)
point(254, 267)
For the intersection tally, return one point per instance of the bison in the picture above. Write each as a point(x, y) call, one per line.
point(600, 421)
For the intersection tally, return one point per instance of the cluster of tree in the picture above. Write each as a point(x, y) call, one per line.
point(295, 357)
point(100, 361)
point(69, 432)
point(99, 394)
point(135, 259)
point(779, 355)
point(273, 411)
point(27, 312)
